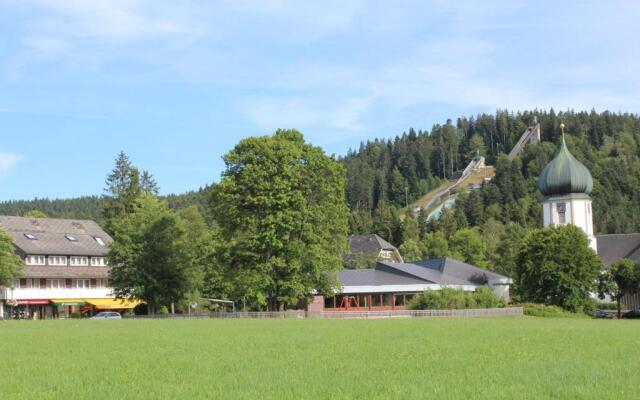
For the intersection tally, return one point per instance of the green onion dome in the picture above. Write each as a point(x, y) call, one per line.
point(564, 175)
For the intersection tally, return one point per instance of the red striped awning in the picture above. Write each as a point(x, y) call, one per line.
point(33, 302)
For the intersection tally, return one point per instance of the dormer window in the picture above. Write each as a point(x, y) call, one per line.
point(57, 260)
point(97, 261)
point(387, 254)
point(71, 238)
point(30, 236)
point(35, 260)
point(77, 261)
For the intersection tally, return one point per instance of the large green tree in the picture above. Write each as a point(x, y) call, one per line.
point(556, 266)
point(11, 265)
point(152, 255)
point(283, 219)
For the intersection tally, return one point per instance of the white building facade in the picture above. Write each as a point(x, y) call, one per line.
point(66, 273)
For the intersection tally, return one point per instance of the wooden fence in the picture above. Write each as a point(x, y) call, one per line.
point(299, 314)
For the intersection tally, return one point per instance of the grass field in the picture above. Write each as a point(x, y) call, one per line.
point(502, 358)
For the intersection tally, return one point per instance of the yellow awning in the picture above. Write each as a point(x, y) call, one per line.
point(112, 304)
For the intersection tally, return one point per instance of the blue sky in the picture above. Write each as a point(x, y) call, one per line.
point(176, 84)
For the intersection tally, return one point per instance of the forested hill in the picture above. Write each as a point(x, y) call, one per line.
point(89, 207)
point(378, 172)
point(607, 143)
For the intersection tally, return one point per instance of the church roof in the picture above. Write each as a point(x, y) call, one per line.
point(613, 247)
point(565, 175)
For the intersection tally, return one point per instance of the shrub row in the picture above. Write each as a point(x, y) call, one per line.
point(455, 299)
point(542, 310)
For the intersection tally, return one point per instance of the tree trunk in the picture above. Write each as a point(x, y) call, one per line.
point(618, 302)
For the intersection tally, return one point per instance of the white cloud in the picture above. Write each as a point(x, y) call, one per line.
point(118, 21)
point(341, 68)
point(8, 162)
point(301, 21)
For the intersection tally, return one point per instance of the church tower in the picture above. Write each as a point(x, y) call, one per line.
point(566, 184)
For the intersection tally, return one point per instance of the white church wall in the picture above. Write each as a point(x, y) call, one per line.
point(577, 212)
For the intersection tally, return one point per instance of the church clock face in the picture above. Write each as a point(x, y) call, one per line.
point(562, 212)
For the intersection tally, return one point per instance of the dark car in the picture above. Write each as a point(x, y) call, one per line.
point(634, 314)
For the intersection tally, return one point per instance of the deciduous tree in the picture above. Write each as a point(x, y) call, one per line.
point(283, 219)
point(556, 266)
point(11, 265)
point(622, 278)
point(151, 255)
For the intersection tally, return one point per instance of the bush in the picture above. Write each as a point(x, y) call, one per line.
point(590, 306)
point(455, 299)
point(163, 310)
point(484, 297)
point(606, 306)
point(542, 310)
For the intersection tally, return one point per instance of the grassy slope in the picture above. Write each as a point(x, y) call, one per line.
point(301, 359)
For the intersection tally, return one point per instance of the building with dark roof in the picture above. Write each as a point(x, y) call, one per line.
point(65, 269)
point(371, 247)
point(616, 246)
point(390, 285)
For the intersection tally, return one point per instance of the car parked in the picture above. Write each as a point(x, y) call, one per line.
point(634, 314)
point(107, 315)
point(605, 314)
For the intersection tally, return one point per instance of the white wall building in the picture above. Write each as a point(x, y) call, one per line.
point(566, 184)
point(65, 269)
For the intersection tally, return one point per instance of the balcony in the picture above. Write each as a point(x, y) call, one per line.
point(71, 293)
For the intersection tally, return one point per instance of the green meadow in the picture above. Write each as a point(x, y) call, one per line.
point(483, 358)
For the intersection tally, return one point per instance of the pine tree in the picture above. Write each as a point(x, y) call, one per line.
point(149, 184)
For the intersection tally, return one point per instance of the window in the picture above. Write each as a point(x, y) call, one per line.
point(33, 283)
point(36, 260)
point(57, 260)
point(101, 283)
point(97, 261)
point(100, 241)
point(386, 254)
point(71, 238)
point(562, 213)
point(82, 283)
point(30, 236)
point(16, 284)
point(78, 261)
point(55, 284)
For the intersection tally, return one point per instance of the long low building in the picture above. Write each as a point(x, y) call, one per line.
point(390, 286)
point(65, 273)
